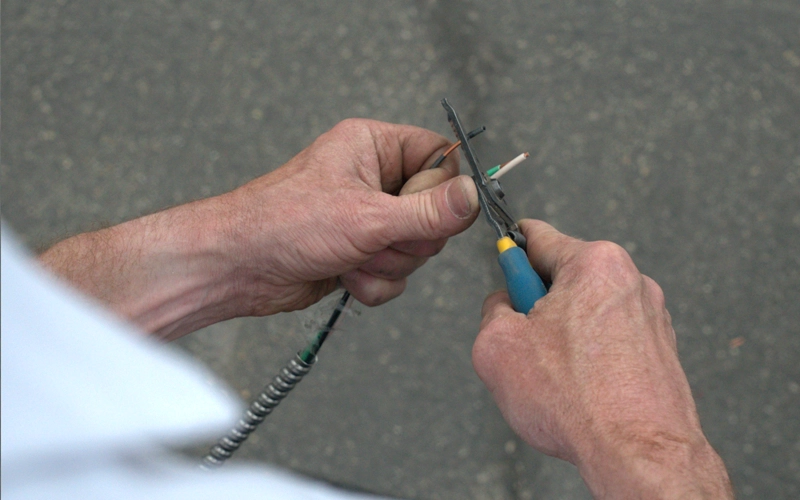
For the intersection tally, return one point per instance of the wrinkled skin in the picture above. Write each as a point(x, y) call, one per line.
point(334, 209)
point(359, 207)
point(591, 375)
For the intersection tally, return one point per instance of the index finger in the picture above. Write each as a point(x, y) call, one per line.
point(548, 249)
point(426, 179)
point(496, 305)
point(400, 151)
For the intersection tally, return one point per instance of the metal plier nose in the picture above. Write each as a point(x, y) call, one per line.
point(525, 287)
point(490, 193)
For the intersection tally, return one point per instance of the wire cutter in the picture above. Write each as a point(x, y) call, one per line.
point(525, 287)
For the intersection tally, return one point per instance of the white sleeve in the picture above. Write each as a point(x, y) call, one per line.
point(90, 406)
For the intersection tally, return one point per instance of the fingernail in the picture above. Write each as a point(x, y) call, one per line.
point(458, 198)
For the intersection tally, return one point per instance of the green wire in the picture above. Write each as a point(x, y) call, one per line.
point(309, 354)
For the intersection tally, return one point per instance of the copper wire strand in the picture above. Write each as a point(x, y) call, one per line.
point(451, 148)
point(441, 157)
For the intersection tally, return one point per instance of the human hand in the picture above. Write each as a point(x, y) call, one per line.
point(591, 375)
point(284, 240)
point(331, 214)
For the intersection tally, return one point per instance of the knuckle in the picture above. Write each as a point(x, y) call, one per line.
point(484, 350)
point(372, 300)
point(496, 339)
point(609, 261)
point(381, 271)
point(381, 291)
point(434, 248)
point(606, 253)
point(654, 292)
point(370, 133)
point(352, 126)
point(367, 300)
point(361, 133)
point(394, 268)
point(367, 221)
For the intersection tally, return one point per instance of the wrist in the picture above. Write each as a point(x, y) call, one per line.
point(655, 465)
point(168, 272)
point(189, 280)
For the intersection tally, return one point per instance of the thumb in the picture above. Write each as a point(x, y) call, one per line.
point(435, 213)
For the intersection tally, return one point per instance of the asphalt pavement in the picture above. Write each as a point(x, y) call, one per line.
point(669, 127)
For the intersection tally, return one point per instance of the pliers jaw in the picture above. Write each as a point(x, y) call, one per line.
point(490, 193)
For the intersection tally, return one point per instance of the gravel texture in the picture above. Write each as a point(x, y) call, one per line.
point(670, 127)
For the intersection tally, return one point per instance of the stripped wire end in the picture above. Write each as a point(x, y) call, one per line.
point(444, 155)
point(501, 170)
point(453, 147)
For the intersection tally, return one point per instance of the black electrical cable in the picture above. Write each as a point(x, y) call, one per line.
point(310, 352)
point(273, 393)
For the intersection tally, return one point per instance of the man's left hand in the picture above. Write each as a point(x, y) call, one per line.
point(283, 241)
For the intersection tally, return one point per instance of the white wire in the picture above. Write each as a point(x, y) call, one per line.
point(508, 166)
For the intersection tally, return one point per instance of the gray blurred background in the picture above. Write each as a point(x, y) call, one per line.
point(670, 127)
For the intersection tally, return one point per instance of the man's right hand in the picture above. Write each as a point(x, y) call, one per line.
point(591, 375)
